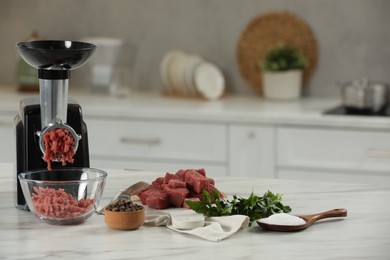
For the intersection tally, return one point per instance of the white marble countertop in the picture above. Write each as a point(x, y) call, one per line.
point(306, 111)
point(364, 234)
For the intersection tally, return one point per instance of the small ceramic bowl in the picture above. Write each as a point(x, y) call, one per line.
point(124, 220)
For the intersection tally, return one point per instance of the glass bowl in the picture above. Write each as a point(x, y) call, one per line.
point(65, 196)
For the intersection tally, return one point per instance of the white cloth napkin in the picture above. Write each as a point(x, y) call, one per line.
point(214, 229)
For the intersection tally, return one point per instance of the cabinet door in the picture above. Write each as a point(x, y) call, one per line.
point(157, 145)
point(331, 149)
point(157, 140)
point(333, 176)
point(251, 151)
point(8, 146)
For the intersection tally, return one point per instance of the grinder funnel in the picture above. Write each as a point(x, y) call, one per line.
point(56, 55)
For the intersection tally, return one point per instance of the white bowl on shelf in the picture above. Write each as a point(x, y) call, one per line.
point(193, 61)
point(209, 80)
point(190, 75)
point(165, 68)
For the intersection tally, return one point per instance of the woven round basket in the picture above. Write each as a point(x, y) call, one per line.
point(266, 31)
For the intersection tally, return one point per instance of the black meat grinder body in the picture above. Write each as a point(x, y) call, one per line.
point(28, 153)
point(52, 109)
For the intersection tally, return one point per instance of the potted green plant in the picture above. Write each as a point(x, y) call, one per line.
point(282, 72)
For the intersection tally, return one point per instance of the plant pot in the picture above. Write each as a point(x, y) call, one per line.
point(284, 85)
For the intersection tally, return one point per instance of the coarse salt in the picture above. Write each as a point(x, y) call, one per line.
point(283, 219)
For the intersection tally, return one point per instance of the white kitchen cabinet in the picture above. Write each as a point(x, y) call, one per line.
point(324, 175)
point(212, 170)
point(251, 151)
point(236, 136)
point(157, 145)
point(8, 145)
point(355, 155)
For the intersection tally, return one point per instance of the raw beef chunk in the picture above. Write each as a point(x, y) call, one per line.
point(156, 184)
point(202, 171)
point(158, 201)
point(169, 176)
point(196, 181)
point(181, 173)
point(174, 189)
point(144, 194)
point(177, 196)
point(176, 184)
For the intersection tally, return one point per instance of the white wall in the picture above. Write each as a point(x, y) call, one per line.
point(353, 35)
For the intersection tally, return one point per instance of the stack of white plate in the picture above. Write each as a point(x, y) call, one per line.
point(190, 75)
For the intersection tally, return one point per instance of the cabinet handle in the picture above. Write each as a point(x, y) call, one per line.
point(139, 141)
point(378, 153)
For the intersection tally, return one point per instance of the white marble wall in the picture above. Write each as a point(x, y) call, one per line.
point(353, 35)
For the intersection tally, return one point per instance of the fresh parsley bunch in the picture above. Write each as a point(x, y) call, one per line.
point(211, 205)
point(255, 207)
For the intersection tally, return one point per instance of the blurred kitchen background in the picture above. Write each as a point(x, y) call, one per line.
point(353, 35)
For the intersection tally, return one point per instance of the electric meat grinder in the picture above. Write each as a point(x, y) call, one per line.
point(51, 110)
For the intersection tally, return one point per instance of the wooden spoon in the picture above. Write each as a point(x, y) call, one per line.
point(309, 219)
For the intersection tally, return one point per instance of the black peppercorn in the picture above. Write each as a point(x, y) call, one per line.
point(123, 206)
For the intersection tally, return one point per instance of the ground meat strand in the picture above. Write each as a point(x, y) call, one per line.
point(57, 203)
point(59, 145)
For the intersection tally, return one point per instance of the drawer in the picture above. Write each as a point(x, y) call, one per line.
point(333, 149)
point(8, 144)
point(212, 169)
point(160, 140)
point(7, 121)
point(332, 176)
point(251, 151)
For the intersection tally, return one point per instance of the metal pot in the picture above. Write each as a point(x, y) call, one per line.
point(365, 95)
